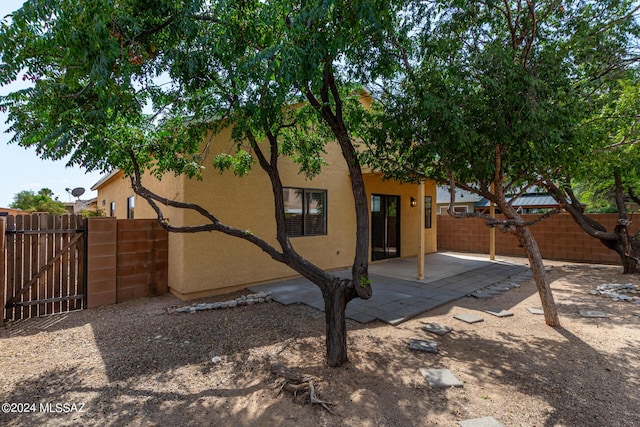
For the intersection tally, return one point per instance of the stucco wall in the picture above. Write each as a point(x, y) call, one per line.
point(214, 262)
point(116, 189)
point(558, 237)
point(208, 263)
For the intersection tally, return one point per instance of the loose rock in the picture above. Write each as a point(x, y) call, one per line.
point(616, 291)
point(244, 300)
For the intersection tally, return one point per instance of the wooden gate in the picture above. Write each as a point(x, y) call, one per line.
point(45, 265)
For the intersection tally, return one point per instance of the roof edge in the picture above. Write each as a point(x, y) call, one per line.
point(104, 179)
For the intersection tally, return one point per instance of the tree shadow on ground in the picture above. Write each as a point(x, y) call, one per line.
point(145, 353)
point(119, 404)
point(564, 372)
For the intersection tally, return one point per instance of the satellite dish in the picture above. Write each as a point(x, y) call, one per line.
point(77, 192)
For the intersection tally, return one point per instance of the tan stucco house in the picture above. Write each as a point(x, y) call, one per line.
point(323, 229)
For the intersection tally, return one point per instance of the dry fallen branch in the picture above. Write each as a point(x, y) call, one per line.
point(298, 384)
point(314, 398)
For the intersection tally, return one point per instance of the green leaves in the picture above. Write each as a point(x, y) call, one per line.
point(613, 133)
point(498, 92)
point(116, 78)
point(42, 201)
point(240, 163)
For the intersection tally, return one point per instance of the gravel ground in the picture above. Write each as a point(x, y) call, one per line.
point(139, 364)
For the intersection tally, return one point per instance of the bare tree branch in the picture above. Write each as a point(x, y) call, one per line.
point(289, 257)
point(574, 208)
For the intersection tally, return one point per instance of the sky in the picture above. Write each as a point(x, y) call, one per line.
point(21, 169)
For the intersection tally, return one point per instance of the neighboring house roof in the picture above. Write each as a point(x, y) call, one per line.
point(12, 211)
point(534, 199)
point(525, 201)
point(462, 196)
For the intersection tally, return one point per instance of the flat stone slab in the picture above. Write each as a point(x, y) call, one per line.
point(480, 422)
point(424, 345)
point(468, 317)
point(440, 378)
point(594, 314)
point(484, 294)
point(535, 310)
point(437, 329)
point(498, 288)
point(498, 312)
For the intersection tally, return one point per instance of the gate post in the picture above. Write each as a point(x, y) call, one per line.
point(3, 257)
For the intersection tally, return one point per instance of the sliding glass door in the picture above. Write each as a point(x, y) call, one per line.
point(385, 226)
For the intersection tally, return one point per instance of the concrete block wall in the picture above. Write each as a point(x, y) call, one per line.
point(126, 259)
point(558, 237)
point(142, 260)
point(101, 261)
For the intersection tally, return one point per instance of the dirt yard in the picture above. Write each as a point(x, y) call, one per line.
point(138, 364)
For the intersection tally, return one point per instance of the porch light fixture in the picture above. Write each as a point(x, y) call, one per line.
point(414, 202)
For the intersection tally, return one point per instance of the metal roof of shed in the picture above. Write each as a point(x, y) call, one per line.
point(525, 201)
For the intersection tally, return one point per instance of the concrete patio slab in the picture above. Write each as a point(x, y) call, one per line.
point(397, 295)
point(535, 310)
point(361, 317)
point(480, 422)
point(440, 378)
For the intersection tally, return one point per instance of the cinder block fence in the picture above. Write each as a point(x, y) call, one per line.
point(126, 259)
point(57, 263)
point(558, 237)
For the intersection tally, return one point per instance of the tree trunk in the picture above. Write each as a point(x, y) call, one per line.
point(525, 236)
point(629, 265)
point(626, 245)
point(620, 240)
point(336, 296)
point(628, 250)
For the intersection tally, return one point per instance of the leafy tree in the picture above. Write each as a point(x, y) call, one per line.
point(617, 121)
point(99, 66)
point(611, 170)
point(492, 96)
point(42, 201)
